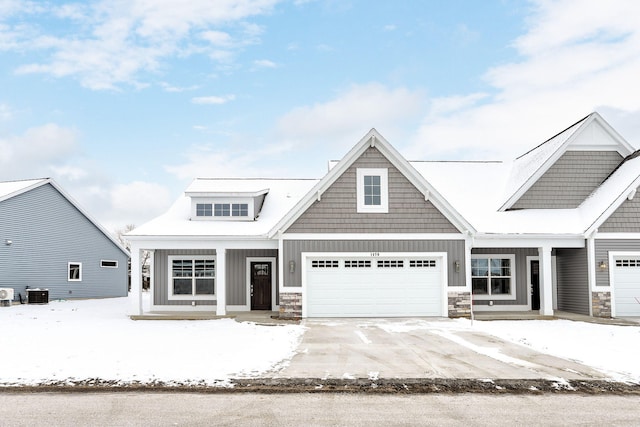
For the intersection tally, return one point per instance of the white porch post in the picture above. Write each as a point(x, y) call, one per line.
point(135, 296)
point(221, 279)
point(546, 281)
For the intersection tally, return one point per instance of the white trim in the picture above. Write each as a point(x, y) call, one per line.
point(203, 242)
point(222, 201)
point(524, 241)
point(444, 272)
point(611, 288)
point(620, 236)
point(274, 285)
point(383, 173)
point(374, 236)
point(79, 264)
point(183, 308)
point(193, 296)
point(613, 207)
point(513, 285)
point(108, 266)
point(510, 307)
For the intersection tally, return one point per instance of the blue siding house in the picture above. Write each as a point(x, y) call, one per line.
point(48, 241)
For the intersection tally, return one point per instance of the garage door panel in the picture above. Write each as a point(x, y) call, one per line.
point(626, 280)
point(382, 289)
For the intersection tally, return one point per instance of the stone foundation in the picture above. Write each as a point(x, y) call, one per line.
point(290, 305)
point(601, 304)
point(459, 304)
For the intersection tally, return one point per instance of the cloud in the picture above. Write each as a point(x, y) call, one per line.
point(109, 43)
point(212, 100)
point(6, 113)
point(569, 65)
point(136, 202)
point(265, 63)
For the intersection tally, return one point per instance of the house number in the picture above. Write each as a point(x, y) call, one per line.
point(375, 253)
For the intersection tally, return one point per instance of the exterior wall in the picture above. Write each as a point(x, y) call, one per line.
point(601, 304)
point(48, 232)
point(290, 305)
point(237, 272)
point(459, 304)
point(602, 248)
point(293, 248)
point(573, 280)
point(408, 211)
point(626, 219)
point(521, 273)
point(161, 276)
point(570, 180)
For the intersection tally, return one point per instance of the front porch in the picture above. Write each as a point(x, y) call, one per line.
point(260, 317)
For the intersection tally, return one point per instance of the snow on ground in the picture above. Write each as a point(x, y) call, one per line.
point(88, 339)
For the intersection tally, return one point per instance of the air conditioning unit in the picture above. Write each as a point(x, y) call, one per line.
point(6, 296)
point(37, 296)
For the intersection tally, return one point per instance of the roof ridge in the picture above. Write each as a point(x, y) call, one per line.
point(549, 139)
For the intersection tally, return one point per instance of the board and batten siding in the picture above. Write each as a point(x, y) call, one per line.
point(161, 275)
point(570, 180)
point(336, 211)
point(572, 280)
point(602, 249)
point(625, 219)
point(292, 250)
point(521, 273)
point(237, 272)
point(47, 232)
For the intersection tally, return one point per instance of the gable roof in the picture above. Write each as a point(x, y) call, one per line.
point(374, 139)
point(528, 168)
point(10, 189)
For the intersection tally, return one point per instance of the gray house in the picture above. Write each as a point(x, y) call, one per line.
point(47, 241)
point(558, 228)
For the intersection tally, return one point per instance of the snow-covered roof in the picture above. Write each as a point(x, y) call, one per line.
point(10, 189)
point(282, 195)
point(237, 187)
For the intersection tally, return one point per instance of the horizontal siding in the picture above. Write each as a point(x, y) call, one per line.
point(572, 280)
point(161, 275)
point(626, 219)
point(570, 180)
point(521, 272)
point(602, 249)
point(293, 249)
point(237, 272)
point(48, 232)
point(336, 212)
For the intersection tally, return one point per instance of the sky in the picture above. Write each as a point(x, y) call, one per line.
point(124, 102)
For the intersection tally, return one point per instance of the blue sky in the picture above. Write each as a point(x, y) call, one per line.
point(123, 102)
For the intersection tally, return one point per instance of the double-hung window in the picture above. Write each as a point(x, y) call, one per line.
point(203, 209)
point(493, 276)
point(192, 277)
point(372, 190)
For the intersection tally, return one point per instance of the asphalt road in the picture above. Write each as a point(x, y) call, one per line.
point(244, 409)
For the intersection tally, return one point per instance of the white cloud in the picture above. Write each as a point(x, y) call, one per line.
point(6, 112)
point(570, 65)
point(265, 63)
point(137, 202)
point(212, 100)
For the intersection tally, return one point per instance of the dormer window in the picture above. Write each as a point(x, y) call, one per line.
point(203, 209)
point(221, 200)
point(231, 209)
point(372, 190)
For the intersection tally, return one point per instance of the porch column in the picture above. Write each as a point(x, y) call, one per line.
point(135, 295)
point(221, 279)
point(546, 283)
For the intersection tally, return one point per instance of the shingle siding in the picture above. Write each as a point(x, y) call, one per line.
point(336, 212)
point(570, 180)
point(572, 280)
point(47, 232)
point(626, 219)
point(602, 249)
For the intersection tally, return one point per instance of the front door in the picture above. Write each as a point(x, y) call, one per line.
point(535, 284)
point(260, 285)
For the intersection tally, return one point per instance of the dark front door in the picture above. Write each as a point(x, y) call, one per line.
point(261, 286)
point(535, 284)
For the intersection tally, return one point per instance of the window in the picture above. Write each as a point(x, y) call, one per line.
point(74, 272)
point(239, 209)
point(325, 263)
point(222, 209)
point(360, 263)
point(493, 276)
point(108, 264)
point(231, 209)
point(628, 263)
point(203, 209)
point(192, 278)
point(372, 190)
point(390, 263)
point(422, 263)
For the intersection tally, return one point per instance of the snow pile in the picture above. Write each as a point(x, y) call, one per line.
point(90, 339)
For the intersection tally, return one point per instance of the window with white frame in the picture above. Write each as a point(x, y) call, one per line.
point(107, 263)
point(192, 277)
point(231, 209)
point(204, 209)
point(74, 271)
point(493, 276)
point(372, 190)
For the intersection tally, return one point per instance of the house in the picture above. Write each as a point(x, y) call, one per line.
point(48, 241)
point(558, 228)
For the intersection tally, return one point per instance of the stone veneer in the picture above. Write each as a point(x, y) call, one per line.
point(459, 304)
point(290, 305)
point(601, 304)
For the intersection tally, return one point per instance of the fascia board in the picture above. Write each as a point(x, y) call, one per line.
point(226, 194)
point(613, 206)
point(42, 181)
point(626, 147)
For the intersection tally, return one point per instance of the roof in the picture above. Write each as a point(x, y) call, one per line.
point(283, 194)
point(10, 189)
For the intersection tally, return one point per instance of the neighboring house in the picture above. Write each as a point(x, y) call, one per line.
point(47, 241)
point(378, 236)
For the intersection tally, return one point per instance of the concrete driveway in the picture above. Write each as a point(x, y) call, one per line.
point(418, 348)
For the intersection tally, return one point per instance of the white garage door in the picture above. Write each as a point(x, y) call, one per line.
point(626, 282)
point(374, 286)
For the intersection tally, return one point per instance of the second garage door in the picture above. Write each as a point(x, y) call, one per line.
point(626, 281)
point(350, 286)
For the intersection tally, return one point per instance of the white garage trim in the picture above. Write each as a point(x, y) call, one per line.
point(613, 256)
point(388, 258)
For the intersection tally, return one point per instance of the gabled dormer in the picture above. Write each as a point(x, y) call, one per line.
point(225, 200)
